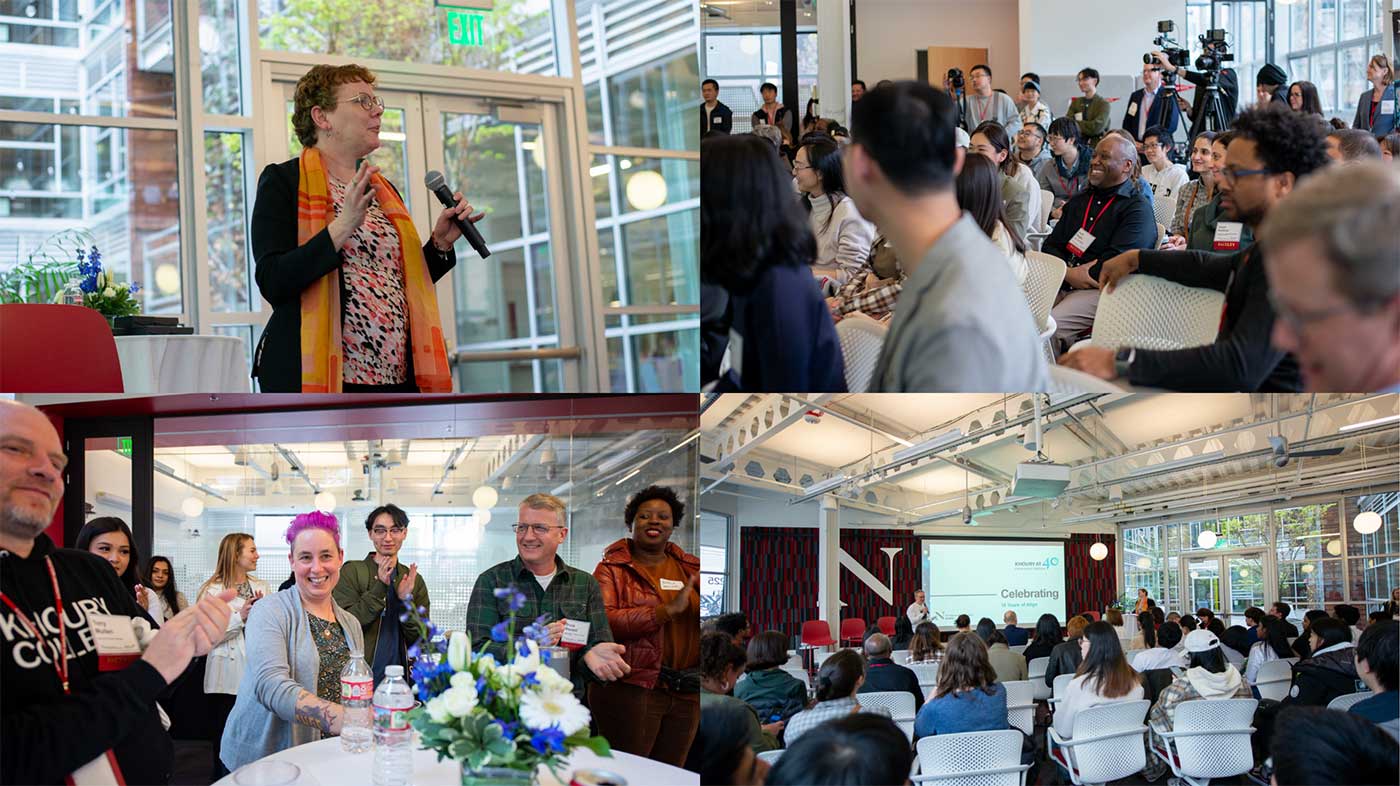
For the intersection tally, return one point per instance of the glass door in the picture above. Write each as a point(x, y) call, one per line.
point(1202, 583)
point(1246, 585)
point(1224, 583)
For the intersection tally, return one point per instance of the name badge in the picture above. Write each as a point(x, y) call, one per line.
point(101, 771)
point(115, 639)
point(575, 634)
point(1080, 242)
point(1227, 236)
point(671, 585)
point(1388, 107)
point(1079, 116)
point(1132, 110)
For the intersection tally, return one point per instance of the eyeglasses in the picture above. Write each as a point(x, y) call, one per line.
point(367, 102)
point(1231, 174)
point(796, 167)
point(521, 528)
point(380, 532)
point(1297, 320)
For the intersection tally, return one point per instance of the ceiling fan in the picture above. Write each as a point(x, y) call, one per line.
point(1282, 455)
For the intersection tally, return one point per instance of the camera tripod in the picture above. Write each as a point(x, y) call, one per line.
point(1210, 115)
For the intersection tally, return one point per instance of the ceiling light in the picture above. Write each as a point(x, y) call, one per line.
point(1334, 547)
point(485, 497)
point(192, 507)
point(1244, 573)
point(481, 517)
point(1144, 563)
point(1308, 568)
point(1098, 551)
point(1366, 522)
point(325, 502)
point(1206, 539)
point(1367, 424)
point(1177, 463)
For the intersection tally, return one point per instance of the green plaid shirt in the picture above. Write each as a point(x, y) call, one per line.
point(572, 594)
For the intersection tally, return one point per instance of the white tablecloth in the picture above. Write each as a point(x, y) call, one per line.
point(183, 364)
point(328, 765)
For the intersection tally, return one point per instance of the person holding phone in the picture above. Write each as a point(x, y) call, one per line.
point(348, 277)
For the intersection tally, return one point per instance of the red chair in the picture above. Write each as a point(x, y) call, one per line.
point(886, 625)
point(1093, 616)
point(57, 349)
point(816, 633)
point(852, 630)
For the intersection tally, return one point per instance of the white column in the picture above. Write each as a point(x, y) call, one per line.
point(834, 61)
point(828, 562)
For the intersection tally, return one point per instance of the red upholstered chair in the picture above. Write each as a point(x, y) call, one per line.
point(886, 625)
point(57, 349)
point(852, 629)
point(1093, 616)
point(816, 633)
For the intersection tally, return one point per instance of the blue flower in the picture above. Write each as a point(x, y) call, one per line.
point(545, 655)
point(480, 685)
point(528, 679)
point(498, 631)
point(414, 651)
point(523, 649)
point(134, 288)
point(515, 596)
point(546, 741)
point(508, 728)
point(403, 617)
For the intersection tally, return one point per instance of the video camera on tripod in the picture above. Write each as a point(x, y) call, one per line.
point(1176, 55)
point(1214, 52)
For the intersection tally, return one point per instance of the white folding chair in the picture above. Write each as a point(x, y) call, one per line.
point(974, 758)
point(1019, 649)
point(1020, 705)
point(1161, 231)
point(1209, 739)
point(1344, 703)
point(900, 656)
point(1153, 313)
point(1107, 743)
point(861, 340)
point(1057, 691)
point(1274, 679)
point(1066, 381)
point(794, 661)
point(771, 756)
point(1044, 275)
point(1035, 673)
point(801, 675)
point(927, 674)
point(900, 703)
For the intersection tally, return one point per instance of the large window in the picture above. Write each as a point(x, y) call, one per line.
point(714, 552)
point(741, 60)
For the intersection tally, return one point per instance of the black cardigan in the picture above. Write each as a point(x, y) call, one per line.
point(284, 270)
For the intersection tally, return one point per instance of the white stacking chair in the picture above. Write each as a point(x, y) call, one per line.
point(1344, 703)
point(900, 656)
point(1073, 382)
point(1209, 739)
point(1293, 659)
point(794, 661)
point(825, 656)
point(771, 756)
point(1019, 649)
point(900, 703)
point(1044, 275)
point(927, 674)
point(1274, 679)
point(1107, 743)
point(1035, 673)
point(974, 758)
point(1153, 313)
point(1161, 231)
point(1020, 705)
point(1057, 691)
point(801, 675)
point(1036, 238)
point(861, 340)
point(1130, 654)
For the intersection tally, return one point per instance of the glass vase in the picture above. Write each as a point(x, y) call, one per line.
point(496, 776)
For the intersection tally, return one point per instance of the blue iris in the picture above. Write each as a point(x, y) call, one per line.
point(548, 740)
point(498, 631)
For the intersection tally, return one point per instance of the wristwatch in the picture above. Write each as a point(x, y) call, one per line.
point(1123, 361)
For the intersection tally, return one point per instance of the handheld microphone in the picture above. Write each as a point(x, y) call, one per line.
point(438, 186)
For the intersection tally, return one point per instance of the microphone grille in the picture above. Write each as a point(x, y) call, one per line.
point(433, 180)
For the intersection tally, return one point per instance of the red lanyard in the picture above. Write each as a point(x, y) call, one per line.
point(982, 113)
point(61, 666)
point(1087, 207)
point(1069, 192)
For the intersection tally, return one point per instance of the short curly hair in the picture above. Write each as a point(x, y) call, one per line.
point(650, 493)
point(317, 88)
point(1286, 141)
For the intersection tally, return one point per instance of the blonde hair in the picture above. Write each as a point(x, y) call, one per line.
point(229, 548)
point(1383, 62)
point(542, 501)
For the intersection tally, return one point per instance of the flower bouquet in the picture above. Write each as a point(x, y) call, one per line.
point(499, 720)
point(100, 291)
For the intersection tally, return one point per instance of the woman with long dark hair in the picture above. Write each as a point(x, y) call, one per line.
point(927, 644)
point(110, 538)
point(1272, 645)
point(1047, 635)
point(1103, 677)
point(838, 681)
point(979, 192)
point(755, 247)
point(843, 237)
point(165, 600)
point(1209, 675)
point(967, 696)
point(1146, 637)
point(1302, 97)
point(1019, 189)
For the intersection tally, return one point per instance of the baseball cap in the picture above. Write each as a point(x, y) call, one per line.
point(1201, 640)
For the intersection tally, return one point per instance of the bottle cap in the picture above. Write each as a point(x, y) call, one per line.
point(393, 671)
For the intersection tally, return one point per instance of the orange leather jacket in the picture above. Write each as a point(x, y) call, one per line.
point(631, 604)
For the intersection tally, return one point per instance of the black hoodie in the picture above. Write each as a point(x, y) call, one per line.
point(1322, 678)
point(46, 735)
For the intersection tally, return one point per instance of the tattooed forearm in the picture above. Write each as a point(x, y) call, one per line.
point(318, 714)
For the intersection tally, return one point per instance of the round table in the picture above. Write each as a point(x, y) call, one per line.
point(328, 765)
point(183, 364)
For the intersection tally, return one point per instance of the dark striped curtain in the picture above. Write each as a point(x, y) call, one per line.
point(778, 568)
point(1093, 584)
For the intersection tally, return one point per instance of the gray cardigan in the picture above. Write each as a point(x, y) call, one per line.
point(282, 661)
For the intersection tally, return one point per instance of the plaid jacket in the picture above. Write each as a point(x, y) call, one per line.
point(877, 302)
point(572, 594)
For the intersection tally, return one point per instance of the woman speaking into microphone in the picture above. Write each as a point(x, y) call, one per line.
point(349, 279)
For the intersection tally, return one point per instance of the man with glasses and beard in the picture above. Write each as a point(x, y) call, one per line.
point(1272, 148)
point(378, 589)
point(548, 587)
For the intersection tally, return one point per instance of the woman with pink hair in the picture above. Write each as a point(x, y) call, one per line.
point(298, 641)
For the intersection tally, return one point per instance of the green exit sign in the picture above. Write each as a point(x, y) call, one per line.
point(124, 446)
point(464, 28)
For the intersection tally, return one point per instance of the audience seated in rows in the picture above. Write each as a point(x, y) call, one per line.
point(1320, 747)
point(1378, 665)
point(1046, 638)
point(1015, 636)
point(873, 289)
point(1164, 176)
point(1031, 149)
point(721, 753)
point(1019, 191)
point(1209, 228)
point(843, 237)
point(773, 693)
point(1272, 644)
point(1160, 650)
point(926, 646)
point(1009, 666)
point(860, 749)
point(968, 696)
point(1349, 144)
point(1208, 676)
point(1194, 194)
point(839, 679)
point(1302, 646)
point(1066, 656)
point(883, 674)
point(979, 191)
point(721, 664)
point(1102, 677)
point(1067, 172)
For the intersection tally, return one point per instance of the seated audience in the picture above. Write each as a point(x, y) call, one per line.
point(1281, 610)
point(1146, 625)
point(958, 325)
point(926, 646)
point(1009, 666)
point(1165, 177)
point(1015, 636)
point(1208, 676)
point(903, 632)
point(721, 664)
point(1302, 97)
point(1099, 224)
point(1352, 144)
point(838, 681)
point(883, 674)
point(1067, 172)
point(1271, 150)
point(1103, 677)
point(980, 195)
point(1302, 645)
point(852, 750)
point(963, 623)
point(1330, 671)
point(1019, 191)
point(736, 625)
point(874, 288)
point(1031, 149)
point(297, 646)
point(1047, 637)
point(1090, 111)
point(968, 696)
point(1272, 645)
point(1236, 644)
point(1320, 747)
point(1162, 651)
point(773, 693)
point(1196, 193)
point(1066, 656)
point(843, 237)
point(1114, 617)
point(1378, 665)
point(756, 246)
point(721, 753)
point(1031, 108)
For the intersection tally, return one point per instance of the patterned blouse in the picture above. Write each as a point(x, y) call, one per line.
point(335, 653)
point(374, 325)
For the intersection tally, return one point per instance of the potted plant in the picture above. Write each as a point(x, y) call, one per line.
point(45, 275)
point(100, 291)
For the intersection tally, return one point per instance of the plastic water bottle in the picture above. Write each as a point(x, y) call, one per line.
point(356, 696)
point(393, 737)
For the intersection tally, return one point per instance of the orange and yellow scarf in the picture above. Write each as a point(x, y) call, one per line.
point(321, 348)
